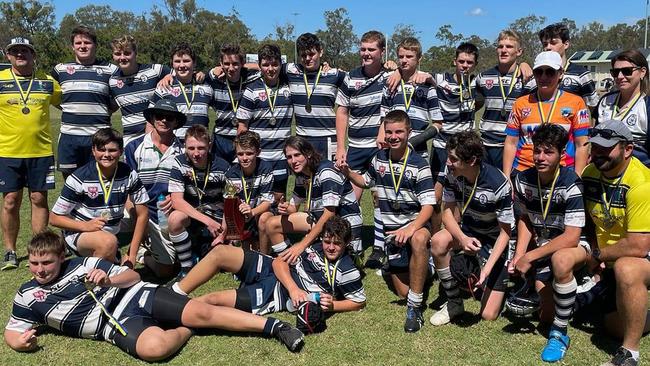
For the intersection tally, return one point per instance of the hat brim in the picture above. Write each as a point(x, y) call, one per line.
point(20, 44)
point(601, 141)
point(180, 117)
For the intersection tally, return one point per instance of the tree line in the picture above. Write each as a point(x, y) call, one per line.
point(158, 30)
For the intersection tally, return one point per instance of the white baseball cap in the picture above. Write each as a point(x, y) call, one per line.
point(551, 59)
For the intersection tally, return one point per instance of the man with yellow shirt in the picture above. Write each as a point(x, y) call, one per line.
point(617, 198)
point(25, 142)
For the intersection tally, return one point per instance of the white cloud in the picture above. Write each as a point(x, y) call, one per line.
point(476, 12)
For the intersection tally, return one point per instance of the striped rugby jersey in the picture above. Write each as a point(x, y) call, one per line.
point(423, 107)
point(259, 186)
point(415, 190)
point(199, 104)
point(321, 121)
point(64, 303)
point(255, 109)
point(456, 117)
point(153, 167)
point(83, 197)
point(493, 122)
point(211, 189)
point(85, 97)
point(362, 96)
point(133, 93)
point(636, 120)
point(490, 205)
point(566, 207)
point(309, 274)
point(226, 122)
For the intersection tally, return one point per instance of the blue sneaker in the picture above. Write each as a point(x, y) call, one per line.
point(556, 346)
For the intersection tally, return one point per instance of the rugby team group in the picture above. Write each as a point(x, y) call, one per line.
point(553, 179)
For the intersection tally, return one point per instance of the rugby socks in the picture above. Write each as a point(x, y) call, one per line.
point(270, 326)
point(280, 247)
point(413, 299)
point(564, 296)
point(450, 286)
point(379, 231)
point(635, 354)
point(177, 289)
point(183, 247)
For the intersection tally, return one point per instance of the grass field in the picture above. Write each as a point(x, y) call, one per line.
point(371, 336)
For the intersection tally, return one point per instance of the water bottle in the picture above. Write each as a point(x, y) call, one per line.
point(311, 297)
point(162, 218)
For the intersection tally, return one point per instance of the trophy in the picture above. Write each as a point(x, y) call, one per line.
point(234, 219)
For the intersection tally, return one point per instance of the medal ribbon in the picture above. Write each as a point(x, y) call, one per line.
point(469, 86)
point(310, 92)
point(407, 101)
point(89, 288)
point(308, 207)
point(540, 107)
point(188, 102)
point(607, 204)
point(234, 102)
point(247, 195)
point(471, 195)
point(398, 183)
point(331, 278)
point(547, 206)
point(107, 190)
point(200, 192)
point(24, 96)
point(626, 111)
point(271, 97)
point(505, 96)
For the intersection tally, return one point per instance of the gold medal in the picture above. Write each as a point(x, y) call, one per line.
point(308, 107)
point(25, 110)
point(310, 92)
point(105, 214)
point(24, 96)
point(272, 121)
point(396, 205)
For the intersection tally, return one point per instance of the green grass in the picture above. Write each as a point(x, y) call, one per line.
point(371, 336)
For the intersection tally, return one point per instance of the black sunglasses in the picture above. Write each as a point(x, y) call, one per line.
point(168, 117)
point(549, 72)
point(605, 133)
point(627, 71)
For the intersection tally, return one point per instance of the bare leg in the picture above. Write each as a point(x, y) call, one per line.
point(98, 244)
point(155, 344)
point(222, 258)
point(419, 262)
point(491, 304)
point(11, 218)
point(632, 279)
point(40, 211)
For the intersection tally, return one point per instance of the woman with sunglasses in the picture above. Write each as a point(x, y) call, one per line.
point(630, 103)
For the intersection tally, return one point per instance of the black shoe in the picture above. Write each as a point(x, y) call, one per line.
point(289, 336)
point(375, 259)
point(414, 319)
point(622, 357)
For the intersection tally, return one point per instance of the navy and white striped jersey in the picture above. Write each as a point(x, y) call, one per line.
point(64, 304)
point(567, 207)
point(361, 95)
point(490, 205)
point(83, 197)
point(493, 122)
point(330, 188)
point(635, 118)
point(309, 274)
point(321, 121)
point(200, 97)
point(204, 193)
point(274, 127)
point(456, 116)
point(423, 107)
point(153, 167)
point(133, 93)
point(415, 190)
point(85, 97)
point(226, 122)
point(259, 186)
point(578, 80)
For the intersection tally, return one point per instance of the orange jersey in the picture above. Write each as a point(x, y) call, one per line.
point(570, 112)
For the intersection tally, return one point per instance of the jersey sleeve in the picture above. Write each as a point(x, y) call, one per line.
point(581, 121)
point(520, 197)
point(350, 287)
point(343, 94)
point(386, 102)
point(433, 105)
point(514, 120)
point(22, 317)
point(71, 196)
point(246, 105)
point(370, 176)
point(137, 192)
point(448, 195)
point(424, 186)
point(176, 179)
point(332, 187)
point(638, 209)
point(574, 214)
point(129, 156)
point(503, 204)
point(55, 100)
point(106, 266)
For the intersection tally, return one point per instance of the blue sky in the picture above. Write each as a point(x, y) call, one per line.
point(484, 18)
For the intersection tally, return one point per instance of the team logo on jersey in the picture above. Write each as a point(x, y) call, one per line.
point(285, 93)
point(482, 198)
point(525, 112)
point(358, 85)
point(120, 83)
point(143, 78)
point(528, 193)
point(408, 174)
point(631, 120)
point(566, 112)
point(176, 91)
point(583, 116)
point(566, 82)
point(518, 85)
point(311, 256)
point(93, 192)
point(489, 83)
point(237, 186)
point(262, 95)
point(40, 295)
point(70, 69)
point(99, 71)
point(382, 170)
point(419, 92)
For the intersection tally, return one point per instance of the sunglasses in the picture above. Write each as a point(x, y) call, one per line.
point(605, 133)
point(627, 71)
point(544, 71)
point(168, 117)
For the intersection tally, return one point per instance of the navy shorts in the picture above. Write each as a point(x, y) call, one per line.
point(280, 175)
point(259, 287)
point(37, 174)
point(438, 164)
point(494, 156)
point(497, 280)
point(73, 152)
point(399, 257)
point(223, 147)
point(359, 159)
point(325, 145)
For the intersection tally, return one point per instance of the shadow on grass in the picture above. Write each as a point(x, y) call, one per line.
point(519, 325)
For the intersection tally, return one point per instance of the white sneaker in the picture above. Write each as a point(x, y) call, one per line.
point(444, 316)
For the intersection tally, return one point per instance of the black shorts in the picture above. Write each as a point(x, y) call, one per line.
point(73, 152)
point(37, 174)
point(260, 290)
point(497, 280)
point(149, 307)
